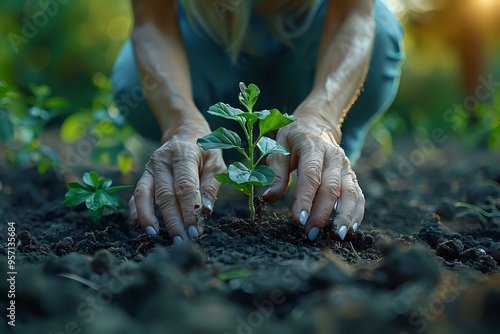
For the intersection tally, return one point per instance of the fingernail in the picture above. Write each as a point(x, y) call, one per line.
point(335, 206)
point(313, 233)
point(177, 240)
point(303, 217)
point(342, 231)
point(156, 226)
point(150, 230)
point(267, 192)
point(192, 232)
point(207, 203)
point(355, 226)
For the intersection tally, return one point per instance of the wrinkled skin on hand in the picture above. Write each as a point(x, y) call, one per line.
point(179, 178)
point(324, 175)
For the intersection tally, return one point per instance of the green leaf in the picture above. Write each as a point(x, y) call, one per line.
point(92, 179)
point(108, 199)
point(40, 91)
point(6, 126)
point(248, 95)
point(274, 121)
point(220, 138)
point(241, 174)
point(238, 273)
point(268, 146)
point(75, 127)
point(43, 166)
point(250, 118)
point(105, 183)
point(77, 185)
point(262, 114)
point(125, 163)
point(94, 202)
point(55, 102)
point(76, 196)
point(244, 188)
point(118, 188)
point(226, 111)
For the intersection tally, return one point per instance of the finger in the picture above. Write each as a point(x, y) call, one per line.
point(166, 201)
point(208, 184)
point(347, 204)
point(309, 173)
point(359, 212)
point(281, 165)
point(132, 209)
point(326, 199)
point(144, 200)
point(186, 169)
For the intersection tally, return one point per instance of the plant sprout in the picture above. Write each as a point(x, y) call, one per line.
point(240, 176)
point(95, 192)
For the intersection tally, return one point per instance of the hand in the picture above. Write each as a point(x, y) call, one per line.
point(324, 175)
point(179, 178)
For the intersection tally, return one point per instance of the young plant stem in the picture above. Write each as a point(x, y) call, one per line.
point(251, 146)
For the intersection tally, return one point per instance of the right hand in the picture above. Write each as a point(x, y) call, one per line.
point(179, 178)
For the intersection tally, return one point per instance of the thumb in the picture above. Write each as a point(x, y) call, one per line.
point(208, 184)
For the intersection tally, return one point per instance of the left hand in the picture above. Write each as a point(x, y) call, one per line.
point(324, 175)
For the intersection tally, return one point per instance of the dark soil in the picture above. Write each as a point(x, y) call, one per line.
point(420, 263)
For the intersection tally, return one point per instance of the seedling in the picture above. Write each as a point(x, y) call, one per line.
point(95, 192)
point(240, 176)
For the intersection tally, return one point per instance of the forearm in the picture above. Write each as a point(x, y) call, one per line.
point(163, 67)
point(343, 60)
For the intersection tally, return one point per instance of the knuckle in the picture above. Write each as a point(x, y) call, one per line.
point(334, 187)
point(163, 197)
point(184, 187)
point(312, 172)
point(140, 190)
point(351, 191)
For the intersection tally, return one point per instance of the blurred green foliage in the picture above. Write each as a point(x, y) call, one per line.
point(64, 44)
point(23, 118)
point(71, 45)
point(109, 129)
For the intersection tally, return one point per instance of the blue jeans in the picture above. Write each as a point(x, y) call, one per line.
point(285, 76)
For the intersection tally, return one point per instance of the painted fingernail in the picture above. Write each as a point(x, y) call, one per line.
point(313, 233)
point(355, 226)
point(192, 232)
point(342, 231)
point(177, 240)
point(150, 230)
point(207, 204)
point(303, 217)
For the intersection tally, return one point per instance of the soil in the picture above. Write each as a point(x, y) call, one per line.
point(420, 263)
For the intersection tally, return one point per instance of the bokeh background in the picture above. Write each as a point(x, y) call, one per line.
point(71, 45)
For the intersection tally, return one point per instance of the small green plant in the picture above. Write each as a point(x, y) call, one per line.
point(95, 192)
point(246, 177)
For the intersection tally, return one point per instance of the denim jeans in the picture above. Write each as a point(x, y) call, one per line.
point(284, 75)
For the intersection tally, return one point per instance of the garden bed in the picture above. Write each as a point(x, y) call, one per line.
point(419, 263)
